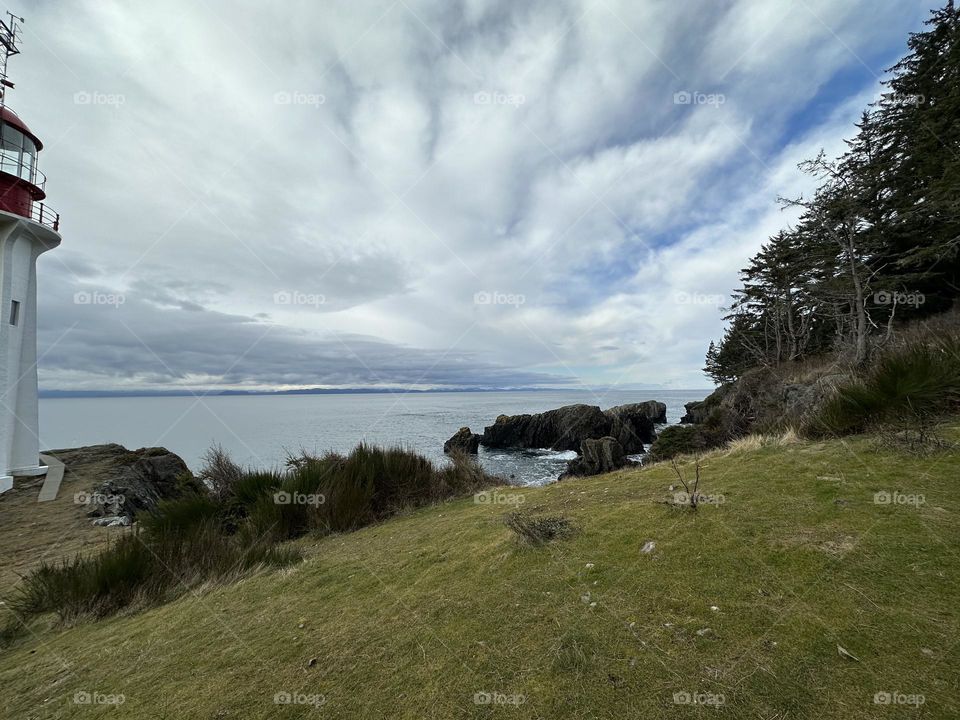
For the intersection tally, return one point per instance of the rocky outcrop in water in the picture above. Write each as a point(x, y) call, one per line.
point(597, 456)
point(126, 482)
point(653, 409)
point(696, 412)
point(463, 440)
point(561, 429)
point(632, 425)
point(567, 427)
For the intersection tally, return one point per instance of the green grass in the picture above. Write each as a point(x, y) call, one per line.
point(411, 617)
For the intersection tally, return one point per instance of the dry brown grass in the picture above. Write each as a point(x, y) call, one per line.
point(751, 443)
point(31, 532)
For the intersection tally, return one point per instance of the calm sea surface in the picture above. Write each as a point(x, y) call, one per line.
point(261, 429)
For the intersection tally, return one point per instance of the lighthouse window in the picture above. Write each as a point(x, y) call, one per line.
point(17, 153)
point(14, 312)
point(10, 150)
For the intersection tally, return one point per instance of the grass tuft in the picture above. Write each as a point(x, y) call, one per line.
point(534, 530)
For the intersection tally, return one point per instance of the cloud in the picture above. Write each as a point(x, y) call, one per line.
point(318, 197)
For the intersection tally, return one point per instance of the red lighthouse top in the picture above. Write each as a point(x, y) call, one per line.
point(21, 183)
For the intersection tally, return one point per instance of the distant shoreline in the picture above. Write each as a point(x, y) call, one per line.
point(68, 394)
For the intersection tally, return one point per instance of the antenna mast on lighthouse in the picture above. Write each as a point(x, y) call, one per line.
point(9, 38)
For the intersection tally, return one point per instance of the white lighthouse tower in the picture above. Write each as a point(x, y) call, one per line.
point(27, 229)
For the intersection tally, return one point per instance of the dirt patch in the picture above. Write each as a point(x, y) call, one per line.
point(31, 531)
point(832, 543)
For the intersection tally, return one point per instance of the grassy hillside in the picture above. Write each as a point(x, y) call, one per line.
point(744, 601)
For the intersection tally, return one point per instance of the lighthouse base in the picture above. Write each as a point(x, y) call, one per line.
point(6, 481)
point(21, 241)
point(30, 471)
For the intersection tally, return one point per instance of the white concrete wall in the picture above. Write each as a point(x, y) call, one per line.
point(21, 242)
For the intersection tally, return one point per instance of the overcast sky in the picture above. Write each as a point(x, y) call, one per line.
point(422, 193)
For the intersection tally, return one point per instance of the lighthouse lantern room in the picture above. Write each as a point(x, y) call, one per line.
point(28, 228)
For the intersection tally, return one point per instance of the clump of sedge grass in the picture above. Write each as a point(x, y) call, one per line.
point(538, 530)
point(236, 523)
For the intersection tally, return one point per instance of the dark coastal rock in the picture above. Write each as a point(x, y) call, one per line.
point(653, 409)
point(697, 412)
point(762, 400)
point(566, 428)
point(127, 482)
point(632, 425)
point(463, 440)
point(561, 429)
point(597, 456)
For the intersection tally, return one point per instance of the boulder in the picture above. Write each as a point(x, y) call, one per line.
point(463, 440)
point(653, 409)
point(597, 456)
point(632, 425)
point(562, 429)
point(127, 481)
point(697, 412)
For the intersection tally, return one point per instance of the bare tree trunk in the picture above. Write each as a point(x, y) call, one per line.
point(860, 306)
point(791, 332)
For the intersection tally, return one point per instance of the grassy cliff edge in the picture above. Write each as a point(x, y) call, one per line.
point(738, 608)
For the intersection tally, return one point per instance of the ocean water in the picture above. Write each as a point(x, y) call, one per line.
point(260, 430)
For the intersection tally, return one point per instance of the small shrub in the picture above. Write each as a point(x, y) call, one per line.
point(371, 484)
point(918, 440)
point(677, 440)
point(180, 515)
point(292, 508)
point(398, 478)
point(348, 503)
point(463, 476)
point(96, 586)
point(219, 473)
point(252, 485)
point(535, 530)
point(691, 495)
